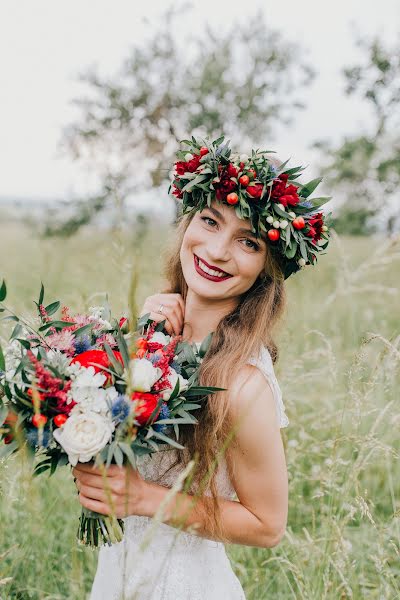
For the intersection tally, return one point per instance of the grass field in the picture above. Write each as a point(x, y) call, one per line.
point(339, 373)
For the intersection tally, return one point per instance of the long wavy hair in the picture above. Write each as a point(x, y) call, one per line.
point(238, 336)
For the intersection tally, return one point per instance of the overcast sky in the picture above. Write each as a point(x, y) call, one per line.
point(44, 44)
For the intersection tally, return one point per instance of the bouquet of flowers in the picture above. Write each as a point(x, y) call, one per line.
point(83, 388)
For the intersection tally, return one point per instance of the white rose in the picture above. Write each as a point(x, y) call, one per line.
point(83, 435)
point(160, 338)
point(173, 376)
point(86, 389)
point(143, 374)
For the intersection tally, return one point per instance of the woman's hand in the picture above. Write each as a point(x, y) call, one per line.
point(173, 311)
point(120, 491)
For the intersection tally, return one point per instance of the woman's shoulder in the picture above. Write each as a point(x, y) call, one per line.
point(263, 362)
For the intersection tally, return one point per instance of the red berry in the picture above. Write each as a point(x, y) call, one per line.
point(232, 198)
point(203, 151)
point(244, 180)
point(273, 234)
point(60, 420)
point(39, 420)
point(298, 223)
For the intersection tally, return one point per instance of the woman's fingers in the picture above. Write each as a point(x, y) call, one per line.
point(173, 311)
point(94, 505)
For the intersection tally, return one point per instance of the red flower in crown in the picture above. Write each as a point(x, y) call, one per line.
point(315, 224)
point(225, 186)
point(177, 192)
point(255, 190)
point(283, 193)
point(232, 171)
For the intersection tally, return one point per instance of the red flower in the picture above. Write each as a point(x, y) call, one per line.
point(232, 171)
point(100, 357)
point(147, 404)
point(180, 167)
point(315, 224)
point(193, 163)
point(225, 186)
point(56, 389)
point(177, 192)
point(122, 322)
point(289, 200)
point(10, 421)
point(255, 190)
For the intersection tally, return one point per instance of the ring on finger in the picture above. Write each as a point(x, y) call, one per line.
point(160, 309)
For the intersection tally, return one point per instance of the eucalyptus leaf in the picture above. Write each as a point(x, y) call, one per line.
point(170, 441)
point(205, 344)
point(309, 187)
point(3, 291)
point(41, 294)
point(279, 211)
point(127, 450)
point(2, 360)
point(291, 250)
point(303, 250)
point(52, 308)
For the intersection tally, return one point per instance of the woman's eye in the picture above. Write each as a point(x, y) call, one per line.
point(207, 219)
point(253, 244)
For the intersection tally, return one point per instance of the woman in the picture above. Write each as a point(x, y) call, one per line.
point(223, 278)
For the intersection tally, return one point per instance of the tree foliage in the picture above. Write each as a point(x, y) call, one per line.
point(365, 169)
point(241, 83)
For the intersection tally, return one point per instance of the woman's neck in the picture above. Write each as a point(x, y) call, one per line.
point(202, 315)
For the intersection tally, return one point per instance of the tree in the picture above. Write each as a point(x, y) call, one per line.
point(241, 83)
point(365, 170)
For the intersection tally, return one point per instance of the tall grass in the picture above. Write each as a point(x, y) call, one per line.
point(339, 373)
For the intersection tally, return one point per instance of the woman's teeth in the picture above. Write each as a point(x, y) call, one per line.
point(210, 271)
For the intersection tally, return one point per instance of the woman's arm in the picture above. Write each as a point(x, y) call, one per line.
point(258, 471)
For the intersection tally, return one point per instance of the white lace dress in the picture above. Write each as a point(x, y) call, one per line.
point(158, 562)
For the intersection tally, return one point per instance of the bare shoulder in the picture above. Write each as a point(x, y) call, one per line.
point(250, 393)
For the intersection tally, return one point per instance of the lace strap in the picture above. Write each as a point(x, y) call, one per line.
point(265, 364)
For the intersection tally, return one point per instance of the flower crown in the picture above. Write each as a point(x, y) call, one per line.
point(259, 189)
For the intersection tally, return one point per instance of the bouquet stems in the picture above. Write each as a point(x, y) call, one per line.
point(95, 529)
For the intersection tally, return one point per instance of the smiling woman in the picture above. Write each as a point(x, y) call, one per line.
point(224, 278)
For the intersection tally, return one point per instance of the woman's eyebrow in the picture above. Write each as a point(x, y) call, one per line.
point(249, 232)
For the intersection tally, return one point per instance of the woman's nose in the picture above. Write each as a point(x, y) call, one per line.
point(219, 249)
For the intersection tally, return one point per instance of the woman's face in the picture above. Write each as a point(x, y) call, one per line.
point(226, 244)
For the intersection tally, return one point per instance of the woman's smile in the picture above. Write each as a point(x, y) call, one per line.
point(205, 271)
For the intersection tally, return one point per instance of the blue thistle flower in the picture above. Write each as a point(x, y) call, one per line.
point(32, 437)
point(82, 343)
point(165, 413)
point(120, 409)
point(152, 358)
point(306, 204)
point(221, 148)
point(176, 366)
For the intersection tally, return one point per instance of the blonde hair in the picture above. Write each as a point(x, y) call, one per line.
point(237, 337)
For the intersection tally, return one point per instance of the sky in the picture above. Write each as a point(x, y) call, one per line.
point(44, 45)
